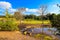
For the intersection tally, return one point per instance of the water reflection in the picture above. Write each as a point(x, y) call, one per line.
point(49, 31)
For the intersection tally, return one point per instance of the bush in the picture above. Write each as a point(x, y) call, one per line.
point(8, 25)
point(45, 37)
point(38, 35)
point(48, 38)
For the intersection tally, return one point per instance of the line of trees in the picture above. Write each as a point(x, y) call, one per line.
point(53, 17)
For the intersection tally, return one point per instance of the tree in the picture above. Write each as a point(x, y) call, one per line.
point(21, 10)
point(7, 24)
point(58, 5)
point(18, 14)
point(41, 11)
point(7, 14)
point(57, 24)
point(55, 20)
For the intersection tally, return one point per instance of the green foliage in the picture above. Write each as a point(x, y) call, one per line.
point(55, 20)
point(38, 35)
point(31, 16)
point(48, 38)
point(45, 37)
point(8, 25)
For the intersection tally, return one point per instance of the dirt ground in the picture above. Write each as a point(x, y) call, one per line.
point(14, 35)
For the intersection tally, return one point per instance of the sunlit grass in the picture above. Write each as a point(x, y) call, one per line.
point(45, 37)
point(37, 22)
point(30, 21)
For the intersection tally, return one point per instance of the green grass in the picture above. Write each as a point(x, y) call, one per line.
point(30, 21)
point(37, 22)
point(45, 37)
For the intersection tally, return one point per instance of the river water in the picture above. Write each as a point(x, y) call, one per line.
point(48, 31)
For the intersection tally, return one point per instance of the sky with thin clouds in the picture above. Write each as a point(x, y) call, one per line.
point(31, 6)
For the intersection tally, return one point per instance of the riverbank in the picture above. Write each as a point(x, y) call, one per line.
point(14, 35)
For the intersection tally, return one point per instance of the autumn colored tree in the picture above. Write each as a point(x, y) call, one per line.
point(19, 14)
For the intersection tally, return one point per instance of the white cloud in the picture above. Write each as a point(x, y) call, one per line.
point(5, 5)
point(31, 10)
point(12, 10)
point(53, 8)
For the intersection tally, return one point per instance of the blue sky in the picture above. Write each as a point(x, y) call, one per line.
point(30, 5)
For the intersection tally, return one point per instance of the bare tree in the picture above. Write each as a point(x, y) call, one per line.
point(21, 9)
point(18, 14)
point(58, 5)
point(42, 11)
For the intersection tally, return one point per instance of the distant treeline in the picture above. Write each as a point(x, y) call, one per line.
point(31, 16)
point(2, 16)
point(54, 18)
point(48, 16)
point(5, 16)
point(36, 17)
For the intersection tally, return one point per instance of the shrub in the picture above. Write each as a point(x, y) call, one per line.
point(8, 25)
point(45, 37)
point(37, 36)
point(48, 38)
